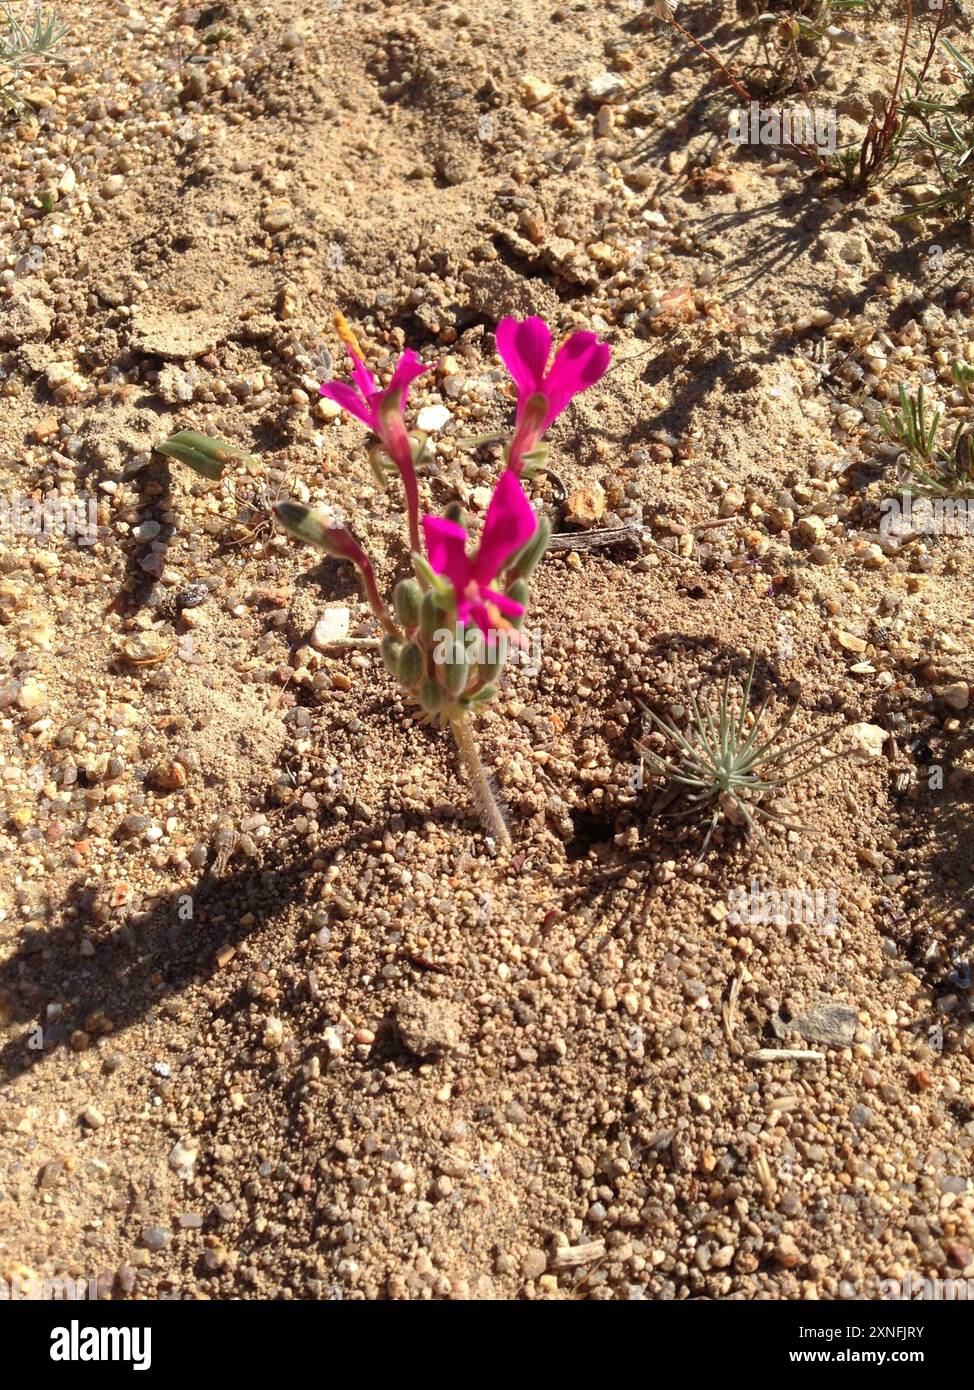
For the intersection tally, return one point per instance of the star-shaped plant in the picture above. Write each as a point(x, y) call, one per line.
point(730, 758)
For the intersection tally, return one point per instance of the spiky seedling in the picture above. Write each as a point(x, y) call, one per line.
point(937, 470)
point(730, 763)
point(910, 428)
point(26, 44)
point(944, 133)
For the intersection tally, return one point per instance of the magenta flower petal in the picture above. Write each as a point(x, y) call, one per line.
point(364, 379)
point(408, 368)
point(467, 610)
point(349, 399)
point(446, 545)
point(579, 363)
point(508, 606)
point(524, 348)
point(510, 523)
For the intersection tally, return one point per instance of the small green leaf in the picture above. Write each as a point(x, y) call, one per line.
point(206, 456)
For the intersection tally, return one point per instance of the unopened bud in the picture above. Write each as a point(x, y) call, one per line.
point(453, 676)
point(430, 614)
point(410, 665)
point(406, 600)
point(391, 652)
point(430, 696)
point(485, 693)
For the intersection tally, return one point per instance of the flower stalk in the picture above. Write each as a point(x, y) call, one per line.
point(486, 800)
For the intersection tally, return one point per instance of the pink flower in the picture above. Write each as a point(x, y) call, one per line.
point(509, 525)
point(543, 392)
point(365, 400)
point(382, 412)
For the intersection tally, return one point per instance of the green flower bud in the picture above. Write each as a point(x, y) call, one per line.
point(406, 600)
point(521, 594)
point(453, 676)
point(430, 696)
point(430, 614)
point(485, 693)
point(306, 525)
point(494, 662)
point(410, 665)
point(391, 652)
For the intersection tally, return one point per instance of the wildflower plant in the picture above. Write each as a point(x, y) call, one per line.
point(450, 626)
point(730, 760)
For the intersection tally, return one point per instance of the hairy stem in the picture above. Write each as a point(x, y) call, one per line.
point(483, 792)
point(367, 573)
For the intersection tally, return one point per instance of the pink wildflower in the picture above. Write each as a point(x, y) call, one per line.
point(382, 411)
point(508, 526)
point(543, 392)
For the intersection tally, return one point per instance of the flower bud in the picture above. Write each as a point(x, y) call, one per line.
point(494, 661)
point(430, 696)
point(453, 676)
point(406, 600)
point(430, 614)
point(485, 693)
point(391, 652)
point(410, 665)
point(528, 556)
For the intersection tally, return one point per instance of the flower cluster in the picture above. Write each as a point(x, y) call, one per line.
point(476, 595)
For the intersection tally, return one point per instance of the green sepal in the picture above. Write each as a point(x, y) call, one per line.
point(430, 614)
point(430, 696)
point(485, 693)
point(453, 675)
point(528, 557)
point(307, 525)
point(535, 462)
point(381, 465)
point(428, 576)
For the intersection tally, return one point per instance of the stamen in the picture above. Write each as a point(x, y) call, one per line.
point(345, 333)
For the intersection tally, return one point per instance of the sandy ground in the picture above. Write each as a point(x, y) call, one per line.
point(276, 1020)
